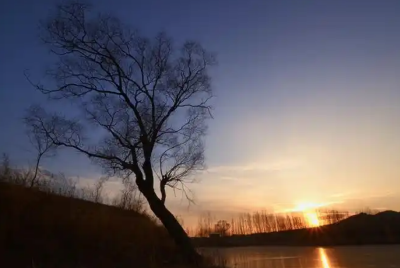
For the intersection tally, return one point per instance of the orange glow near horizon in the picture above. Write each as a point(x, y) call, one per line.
point(308, 206)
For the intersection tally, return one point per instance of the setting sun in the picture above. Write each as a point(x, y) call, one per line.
point(309, 213)
point(312, 219)
point(308, 209)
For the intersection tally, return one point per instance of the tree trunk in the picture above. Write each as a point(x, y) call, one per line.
point(172, 225)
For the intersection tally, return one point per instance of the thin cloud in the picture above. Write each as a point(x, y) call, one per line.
point(363, 195)
point(228, 178)
point(381, 195)
point(276, 166)
point(343, 194)
point(310, 206)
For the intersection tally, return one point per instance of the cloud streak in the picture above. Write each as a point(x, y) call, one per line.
point(256, 166)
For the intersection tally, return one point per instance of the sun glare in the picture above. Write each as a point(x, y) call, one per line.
point(312, 219)
point(308, 210)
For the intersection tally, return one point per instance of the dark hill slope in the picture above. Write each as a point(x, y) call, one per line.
point(52, 230)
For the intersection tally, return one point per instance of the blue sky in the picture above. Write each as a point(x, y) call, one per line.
point(307, 96)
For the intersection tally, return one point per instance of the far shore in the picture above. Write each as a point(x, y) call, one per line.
point(358, 230)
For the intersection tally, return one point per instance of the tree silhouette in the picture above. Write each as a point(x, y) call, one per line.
point(42, 144)
point(142, 103)
point(222, 227)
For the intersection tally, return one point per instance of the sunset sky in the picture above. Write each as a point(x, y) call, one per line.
point(307, 106)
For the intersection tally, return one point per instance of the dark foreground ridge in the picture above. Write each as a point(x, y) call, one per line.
point(360, 229)
point(39, 229)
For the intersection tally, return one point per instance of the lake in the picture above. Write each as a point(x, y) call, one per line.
point(308, 257)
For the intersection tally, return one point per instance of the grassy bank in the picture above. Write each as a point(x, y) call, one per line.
point(47, 220)
point(57, 231)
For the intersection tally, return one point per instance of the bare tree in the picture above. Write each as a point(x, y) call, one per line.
point(146, 101)
point(9, 173)
point(205, 225)
point(98, 189)
point(93, 192)
point(42, 143)
point(129, 198)
point(5, 168)
point(222, 227)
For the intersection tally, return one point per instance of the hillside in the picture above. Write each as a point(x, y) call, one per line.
point(360, 229)
point(56, 231)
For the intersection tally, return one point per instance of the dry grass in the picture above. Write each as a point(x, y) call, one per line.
point(47, 224)
point(55, 230)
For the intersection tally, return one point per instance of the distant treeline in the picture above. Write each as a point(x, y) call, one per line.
point(267, 222)
point(359, 229)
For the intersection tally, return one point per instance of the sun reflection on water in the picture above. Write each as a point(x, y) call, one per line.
point(324, 258)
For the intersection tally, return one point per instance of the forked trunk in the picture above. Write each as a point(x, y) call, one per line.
point(173, 227)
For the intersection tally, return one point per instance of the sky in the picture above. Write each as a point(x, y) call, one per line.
point(306, 108)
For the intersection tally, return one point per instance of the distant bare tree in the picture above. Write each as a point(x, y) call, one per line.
point(98, 190)
point(5, 168)
point(129, 198)
point(8, 173)
point(41, 142)
point(61, 184)
point(146, 100)
point(222, 227)
point(205, 225)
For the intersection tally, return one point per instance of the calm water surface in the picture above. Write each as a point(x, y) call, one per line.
point(309, 257)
